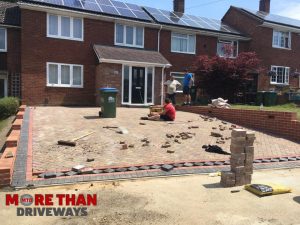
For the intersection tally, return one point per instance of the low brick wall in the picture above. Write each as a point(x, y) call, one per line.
point(284, 124)
point(8, 157)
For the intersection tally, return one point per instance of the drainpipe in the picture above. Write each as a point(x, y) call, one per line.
point(158, 39)
point(162, 85)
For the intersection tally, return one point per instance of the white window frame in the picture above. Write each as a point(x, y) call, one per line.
point(59, 36)
point(232, 44)
point(130, 84)
point(4, 76)
point(285, 76)
point(187, 38)
point(59, 76)
point(134, 36)
point(278, 45)
point(175, 75)
point(5, 40)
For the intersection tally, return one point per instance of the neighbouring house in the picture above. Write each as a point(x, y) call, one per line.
point(10, 46)
point(67, 49)
point(276, 41)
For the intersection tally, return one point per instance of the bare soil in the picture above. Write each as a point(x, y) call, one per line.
point(196, 199)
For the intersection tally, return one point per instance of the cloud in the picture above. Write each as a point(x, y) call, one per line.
point(290, 9)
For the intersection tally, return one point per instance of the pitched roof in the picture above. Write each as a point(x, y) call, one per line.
point(272, 18)
point(120, 54)
point(9, 14)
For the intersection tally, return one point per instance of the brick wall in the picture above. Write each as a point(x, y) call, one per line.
point(280, 123)
point(261, 43)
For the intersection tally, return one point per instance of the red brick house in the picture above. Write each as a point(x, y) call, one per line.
point(276, 41)
point(10, 40)
point(70, 48)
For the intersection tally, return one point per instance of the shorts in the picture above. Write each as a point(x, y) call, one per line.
point(165, 118)
point(186, 90)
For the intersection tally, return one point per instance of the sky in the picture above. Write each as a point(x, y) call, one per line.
point(215, 9)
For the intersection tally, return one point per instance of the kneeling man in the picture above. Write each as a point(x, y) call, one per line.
point(168, 114)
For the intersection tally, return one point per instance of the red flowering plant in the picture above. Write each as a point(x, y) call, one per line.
point(223, 76)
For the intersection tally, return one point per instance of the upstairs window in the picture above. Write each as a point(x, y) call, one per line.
point(183, 43)
point(65, 27)
point(281, 75)
point(3, 41)
point(227, 48)
point(129, 36)
point(281, 39)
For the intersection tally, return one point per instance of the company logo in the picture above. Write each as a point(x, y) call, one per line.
point(44, 204)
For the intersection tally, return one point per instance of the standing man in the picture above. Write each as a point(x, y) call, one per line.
point(188, 82)
point(171, 89)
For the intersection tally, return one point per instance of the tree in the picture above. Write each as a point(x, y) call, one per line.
point(223, 76)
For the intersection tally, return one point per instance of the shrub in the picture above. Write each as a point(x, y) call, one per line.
point(8, 106)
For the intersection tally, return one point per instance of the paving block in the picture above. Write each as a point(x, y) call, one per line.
point(266, 160)
point(97, 171)
point(188, 164)
point(177, 165)
point(241, 141)
point(122, 169)
point(275, 160)
point(250, 134)
point(13, 138)
point(283, 159)
point(292, 159)
point(49, 175)
point(257, 161)
point(219, 163)
point(198, 164)
point(237, 149)
point(22, 108)
point(249, 150)
point(86, 170)
point(238, 133)
point(109, 171)
point(71, 173)
point(17, 124)
point(78, 168)
point(133, 168)
point(144, 168)
point(155, 167)
point(239, 170)
point(208, 164)
point(20, 115)
point(167, 167)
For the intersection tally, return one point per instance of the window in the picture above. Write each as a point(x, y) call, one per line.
point(3, 41)
point(179, 77)
point(64, 75)
point(227, 48)
point(129, 36)
point(65, 27)
point(183, 43)
point(281, 39)
point(281, 75)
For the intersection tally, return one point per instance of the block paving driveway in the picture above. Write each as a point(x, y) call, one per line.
point(51, 124)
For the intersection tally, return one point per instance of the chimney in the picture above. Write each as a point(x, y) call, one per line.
point(264, 6)
point(178, 6)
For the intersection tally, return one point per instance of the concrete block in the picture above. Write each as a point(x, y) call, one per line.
point(238, 133)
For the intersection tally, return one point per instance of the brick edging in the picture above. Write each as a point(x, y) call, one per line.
point(7, 160)
point(284, 124)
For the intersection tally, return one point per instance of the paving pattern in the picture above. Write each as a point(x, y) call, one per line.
point(51, 124)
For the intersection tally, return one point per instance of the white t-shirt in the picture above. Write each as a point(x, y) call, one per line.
point(172, 86)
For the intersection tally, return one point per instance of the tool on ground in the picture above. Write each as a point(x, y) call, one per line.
point(73, 141)
point(121, 130)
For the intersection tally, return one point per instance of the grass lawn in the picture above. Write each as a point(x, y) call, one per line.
point(4, 123)
point(291, 107)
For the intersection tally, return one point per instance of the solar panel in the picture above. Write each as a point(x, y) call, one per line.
point(179, 19)
point(275, 18)
point(109, 7)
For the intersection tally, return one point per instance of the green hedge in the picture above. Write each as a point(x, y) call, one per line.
point(8, 106)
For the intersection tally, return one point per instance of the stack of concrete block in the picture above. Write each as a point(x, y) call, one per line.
point(241, 160)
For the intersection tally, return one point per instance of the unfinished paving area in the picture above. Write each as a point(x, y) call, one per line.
point(51, 124)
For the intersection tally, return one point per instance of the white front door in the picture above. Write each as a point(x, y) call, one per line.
point(137, 85)
point(3, 85)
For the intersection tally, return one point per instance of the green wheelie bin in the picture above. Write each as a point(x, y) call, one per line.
point(108, 102)
point(270, 98)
